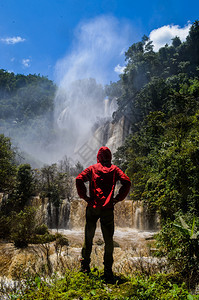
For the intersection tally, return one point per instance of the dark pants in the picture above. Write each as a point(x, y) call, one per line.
point(107, 226)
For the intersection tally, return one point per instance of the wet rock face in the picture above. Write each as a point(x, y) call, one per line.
point(44, 259)
point(71, 214)
point(77, 214)
point(131, 253)
point(123, 213)
point(109, 134)
point(15, 262)
point(127, 214)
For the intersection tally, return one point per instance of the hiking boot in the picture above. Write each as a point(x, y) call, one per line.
point(85, 268)
point(108, 276)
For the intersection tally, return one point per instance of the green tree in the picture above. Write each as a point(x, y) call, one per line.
point(24, 187)
point(55, 185)
point(7, 165)
point(179, 242)
point(22, 227)
point(193, 44)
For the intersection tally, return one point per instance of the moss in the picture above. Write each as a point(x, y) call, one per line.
point(76, 285)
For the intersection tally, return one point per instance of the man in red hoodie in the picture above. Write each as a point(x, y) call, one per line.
point(102, 179)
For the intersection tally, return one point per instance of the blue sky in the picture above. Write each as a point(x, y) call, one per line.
point(72, 38)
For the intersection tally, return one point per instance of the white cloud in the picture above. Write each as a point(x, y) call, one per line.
point(164, 34)
point(26, 62)
point(119, 69)
point(12, 40)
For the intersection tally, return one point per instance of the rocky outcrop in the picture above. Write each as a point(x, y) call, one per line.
point(107, 134)
point(71, 214)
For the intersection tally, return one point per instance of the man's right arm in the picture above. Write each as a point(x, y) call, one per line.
point(80, 179)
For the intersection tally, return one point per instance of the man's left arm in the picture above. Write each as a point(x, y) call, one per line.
point(126, 184)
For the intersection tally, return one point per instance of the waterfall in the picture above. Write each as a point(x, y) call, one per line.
point(71, 214)
point(82, 134)
point(128, 214)
point(138, 218)
point(107, 134)
point(106, 107)
point(58, 217)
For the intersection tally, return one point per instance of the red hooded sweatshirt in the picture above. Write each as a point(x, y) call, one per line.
point(102, 179)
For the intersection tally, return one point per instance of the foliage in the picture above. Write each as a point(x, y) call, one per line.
point(114, 90)
point(7, 165)
point(54, 183)
point(80, 286)
point(179, 242)
point(20, 95)
point(163, 163)
point(22, 227)
point(74, 171)
point(41, 229)
point(21, 192)
point(41, 235)
point(151, 78)
point(5, 225)
point(160, 101)
point(44, 239)
point(60, 242)
point(27, 108)
point(24, 185)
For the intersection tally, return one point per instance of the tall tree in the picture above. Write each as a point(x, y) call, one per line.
point(7, 165)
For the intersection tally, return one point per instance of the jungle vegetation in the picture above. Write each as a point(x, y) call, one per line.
point(158, 95)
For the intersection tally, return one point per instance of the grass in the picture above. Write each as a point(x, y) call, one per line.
point(76, 285)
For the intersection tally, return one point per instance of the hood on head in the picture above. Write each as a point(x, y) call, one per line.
point(104, 155)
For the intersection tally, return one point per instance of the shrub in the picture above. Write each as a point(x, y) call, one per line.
point(42, 238)
point(179, 242)
point(4, 227)
point(22, 226)
point(60, 241)
point(41, 229)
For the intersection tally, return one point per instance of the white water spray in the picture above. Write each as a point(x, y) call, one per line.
point(80, 100)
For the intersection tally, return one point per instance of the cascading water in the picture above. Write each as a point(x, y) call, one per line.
point(84, 119)
point(106, 107)
point(71, 214)
point(78, 105)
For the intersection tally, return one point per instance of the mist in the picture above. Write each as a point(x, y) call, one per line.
point(80, 103)
point(80, 100)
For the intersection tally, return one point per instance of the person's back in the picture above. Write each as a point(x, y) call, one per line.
point(102, 179)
